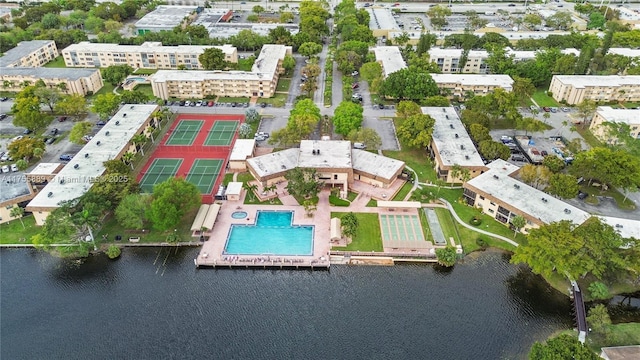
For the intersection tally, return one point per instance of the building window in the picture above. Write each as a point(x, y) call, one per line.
point(481, 197)
point(335, 176)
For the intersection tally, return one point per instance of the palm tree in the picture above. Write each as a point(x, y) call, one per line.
point(546, 116)
point(26, 83)
point(17, 212)
point(455, 172)
point(250, 189)
point(127, 158)
point(63, 87)
point(7, 84)
point(139, 139)
point(150, 132)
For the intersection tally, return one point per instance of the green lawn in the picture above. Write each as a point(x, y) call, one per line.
point(611, 192)
point(351, 195)
point(368, 237)
point(416, 159)
point(372, 203)
point(244, 177)
point(588, 136)
point(283, 85)
point(254, 201)
point(543, 99)
point(13, 231)
point(227, 179)
point(111, 228)
point(56, 63)
point(619, 335)
point(404, 190)
point(448, 225)
point(228, 99)
point(106, 89)
point(145, 71)
point(631, 105)
point(246, 64)
point(336, 201)
point(145, 89)
point(278, 100)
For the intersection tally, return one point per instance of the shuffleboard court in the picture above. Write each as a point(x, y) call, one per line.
point(204, 173)
point(222, 133)
point(159, 171)
point(185, 132)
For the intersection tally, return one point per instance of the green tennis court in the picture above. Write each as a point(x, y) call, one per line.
point(185, 133)
point(203, 174)
point(221, 133)
point(159, 171)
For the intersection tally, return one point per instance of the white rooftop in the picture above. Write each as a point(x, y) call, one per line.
point(274, 162)
point(332, 154)
point(44, 168)
point(165, 17)
point(234, 188)
point(263, 68)
point(518, 55)
point(21, 50)
point(504, 81)
point(626, 116)
point(71, 182)
point(627, 228)
point(12, 186)
point(242, 149)
point(625, 52)
point(391, 59)
point(525, 198)
point(146, 47)
point(374, 164)
point(224, 30)
point(451, 139)
point(382, 18)
point(582, 81)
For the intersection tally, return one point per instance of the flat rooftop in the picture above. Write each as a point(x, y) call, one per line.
point(333, 154)
point(627, 228)
point(242, 149)
point(382, 19)
point(274, 163)
point(374, 164)
point(146, 47)
point(451, 139)
point(165, 16)
point(49, 73)
point(224, 30)
point(625, 52)
point(12, 187)
point(583, 81)
point(391, 59)
point(71, 182)
point(21, 50)
point(211, 16)
point(525, 198)
point(45, 169)
point(503, 81)
point(626, 116)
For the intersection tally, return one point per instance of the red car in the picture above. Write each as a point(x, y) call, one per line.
point(546, 109)
point(210, 103)
point(355, 86)
point(62, 118)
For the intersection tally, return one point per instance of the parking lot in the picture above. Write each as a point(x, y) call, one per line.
point(456, 22)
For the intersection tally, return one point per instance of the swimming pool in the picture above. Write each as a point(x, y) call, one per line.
point(272, 234)
point(239, 214)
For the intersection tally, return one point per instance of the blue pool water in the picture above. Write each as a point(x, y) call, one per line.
point(271, 234)
point(239, 214)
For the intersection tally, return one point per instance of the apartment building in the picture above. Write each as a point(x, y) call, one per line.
point(451, 146)
point(34, 53)
point(149, 55)
point(76, 81)
point(448, 59)
point(389, 58)
point(503, 197)
point(573, 89)
point(261, 81)
point(607, 114)
point(78, 176)
point(459, 85)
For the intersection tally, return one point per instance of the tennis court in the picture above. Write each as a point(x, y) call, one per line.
point(185, 133)
point(159, 171)
point(402, 231)
point(204, 173)
point(222, 133)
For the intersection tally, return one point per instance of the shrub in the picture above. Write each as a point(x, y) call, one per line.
point(482, 243)
point(113, 252)
point(476, 221)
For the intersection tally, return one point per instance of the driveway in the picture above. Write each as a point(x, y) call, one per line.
point(296, 80)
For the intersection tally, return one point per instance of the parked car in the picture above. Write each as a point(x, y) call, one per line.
point(192, 104)
point(101, 123)
point(3, 116)
point(546, 109)
point(62, 118)
point(381, 106)
point(3, 99)
point(355, 86)
point(187, 103)
point(533, 107)
point(14, 167)
point(4, 157)
point(360, 146)
point(565, 109)
point(50, 141)
point(182, 103)
point(66, 157)
point(355, 73)
point(262, 133)
point(506, 139)
point(54, 131)
point(234, 104)
point(582, 195)
point(260, 138)
point(210, 104)
point(19, 137)
point(518, 158)
point(5, 169)
point(27, 132)
point(199, 103)
point(544, 153)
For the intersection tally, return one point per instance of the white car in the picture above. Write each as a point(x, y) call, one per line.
point(187, 103)
point(355, 73)
point(262, 133)
point(260, 138)
point(199, 103)
point(19, 137)
point(5, 169)
point(14, 167)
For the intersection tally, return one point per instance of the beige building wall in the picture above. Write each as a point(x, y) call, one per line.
point(497, 209)
point(600, 131)
point(81, 86)
point(459, 90)
point(238, 165)
point(451, 64)
point(603, 92)
point(38, 57)
point(41, 216)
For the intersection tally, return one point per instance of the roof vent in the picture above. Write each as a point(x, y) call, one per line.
point(516, 186)
point(124, 115)
point(131, 107)
point(619, 226)
point(98, 143)
point(446, 116)
point(567, 211)
point(107, 133)
point(444, 109)
point(318, 151)
point(282, 166)
point(496, 177)
point(86, 155)
point(461, 147)
point(457, 136)
point(466, 157)
point(117, 122)
point(76, 166)
point(62, 181)
point(544, 200)
point(451, 126)
point(50, 194)
point(313, 151)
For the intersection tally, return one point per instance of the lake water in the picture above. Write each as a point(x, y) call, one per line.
point(154, 304)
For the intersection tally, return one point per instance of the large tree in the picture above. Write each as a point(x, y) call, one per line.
point(493, 150)
point(563, 347)
point(615, 167)
point(213, 59)
point(48, 96)
point(416, 130)
point(310, 49)
point(172, 199)
point(132, 210)
point(72, 105)
point(371, 71)
point(535, 175)
point(79, 130)
point(367, 136)
point(409, 84)
point(302, 121)
point(25, 148)
point(26, 113)
point(404, 109)
point(563, 185)
point(106, 105)
point(438, 16)
point(115, 74)
point(303, 183)
point(347, 117)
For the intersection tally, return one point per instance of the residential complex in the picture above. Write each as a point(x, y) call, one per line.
point(110, 143)
point(607, 114)
point(462, 84)
point(335, 162)
point(216, 21)
point(34, 53)
point(451, 146)
point(164, 18)
point(149, 55)
point(503, 197)
point(261, 81)
point(76, 81)
point(448, 59)
point(573, 89)
point(389, 58)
